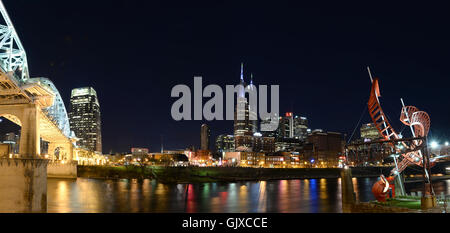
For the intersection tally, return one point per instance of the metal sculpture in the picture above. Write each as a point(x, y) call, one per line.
point(382, 187)
point(419, 123)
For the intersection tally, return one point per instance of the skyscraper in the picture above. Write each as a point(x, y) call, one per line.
point(204, 137)
point(252, 113)
point(241, 126)
point(84, 117)
point(246, 127)
point(291, 126)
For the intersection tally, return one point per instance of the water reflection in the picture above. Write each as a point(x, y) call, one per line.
point(295, 196)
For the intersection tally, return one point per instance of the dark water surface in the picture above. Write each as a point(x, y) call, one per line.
point(284, 196)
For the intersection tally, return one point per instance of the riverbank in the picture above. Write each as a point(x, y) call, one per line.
point(218, 174)
point(233, 174)
point(117, 172)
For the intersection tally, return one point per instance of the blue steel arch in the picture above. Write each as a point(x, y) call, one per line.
point(58, 110)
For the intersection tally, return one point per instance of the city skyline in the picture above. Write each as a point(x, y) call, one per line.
point(313, 52)
point(334, 109)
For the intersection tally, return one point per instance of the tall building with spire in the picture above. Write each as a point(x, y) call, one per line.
point(241, 125)
point(244, 128)
point(253, 113)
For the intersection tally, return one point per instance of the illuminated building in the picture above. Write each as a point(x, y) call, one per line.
point(201, 158)
point(250, 159)
point(263, 144)
point(204, 137)
point(277, 161)
point(273, 134)
point(291, 134)
point(224, 143)
point(85, 119)
point(327, 148)
point(172, 158)
point(369, 132)
point(244, 142)
point(288, 144)
point(139, 151)
point(232, 158)
point(244, 129)
point(291, 126)
point(257, 159)
point(306, 154)
point(252, 113)
point(174, 151)
point(86, 157)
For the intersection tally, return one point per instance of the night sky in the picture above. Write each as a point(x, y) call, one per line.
point(134, 52)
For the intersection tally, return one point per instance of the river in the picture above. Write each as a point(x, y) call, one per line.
point(278, 196)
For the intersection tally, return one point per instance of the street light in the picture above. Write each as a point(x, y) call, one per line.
point(434, 145)
point(446, 143)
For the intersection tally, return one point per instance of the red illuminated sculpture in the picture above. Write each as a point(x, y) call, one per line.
point(383, 187)
point(417, 120)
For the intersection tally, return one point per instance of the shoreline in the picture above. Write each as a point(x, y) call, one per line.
point(185, 175)
point(217, 174)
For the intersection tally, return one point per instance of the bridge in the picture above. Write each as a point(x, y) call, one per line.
point(32, 103)
point(37, 107)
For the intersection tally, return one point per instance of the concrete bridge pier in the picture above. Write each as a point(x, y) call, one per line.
point(27, 117)
point(23, 181)
point(62, 169)
point(64, 166)
point(23, 185)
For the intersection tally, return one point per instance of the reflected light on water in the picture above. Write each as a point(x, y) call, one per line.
point(63, 196)
point(323, 189)
point(283, 196)
point(355, 187)
point(306, 190)
point(262, 202)
point(297, 196)
point(190, 200)
point(243, 198)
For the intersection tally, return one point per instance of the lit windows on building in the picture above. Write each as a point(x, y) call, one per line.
point(84, 117)
point(205, 134)
point(225, 143)
point(369, 132)
point(291, 126)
